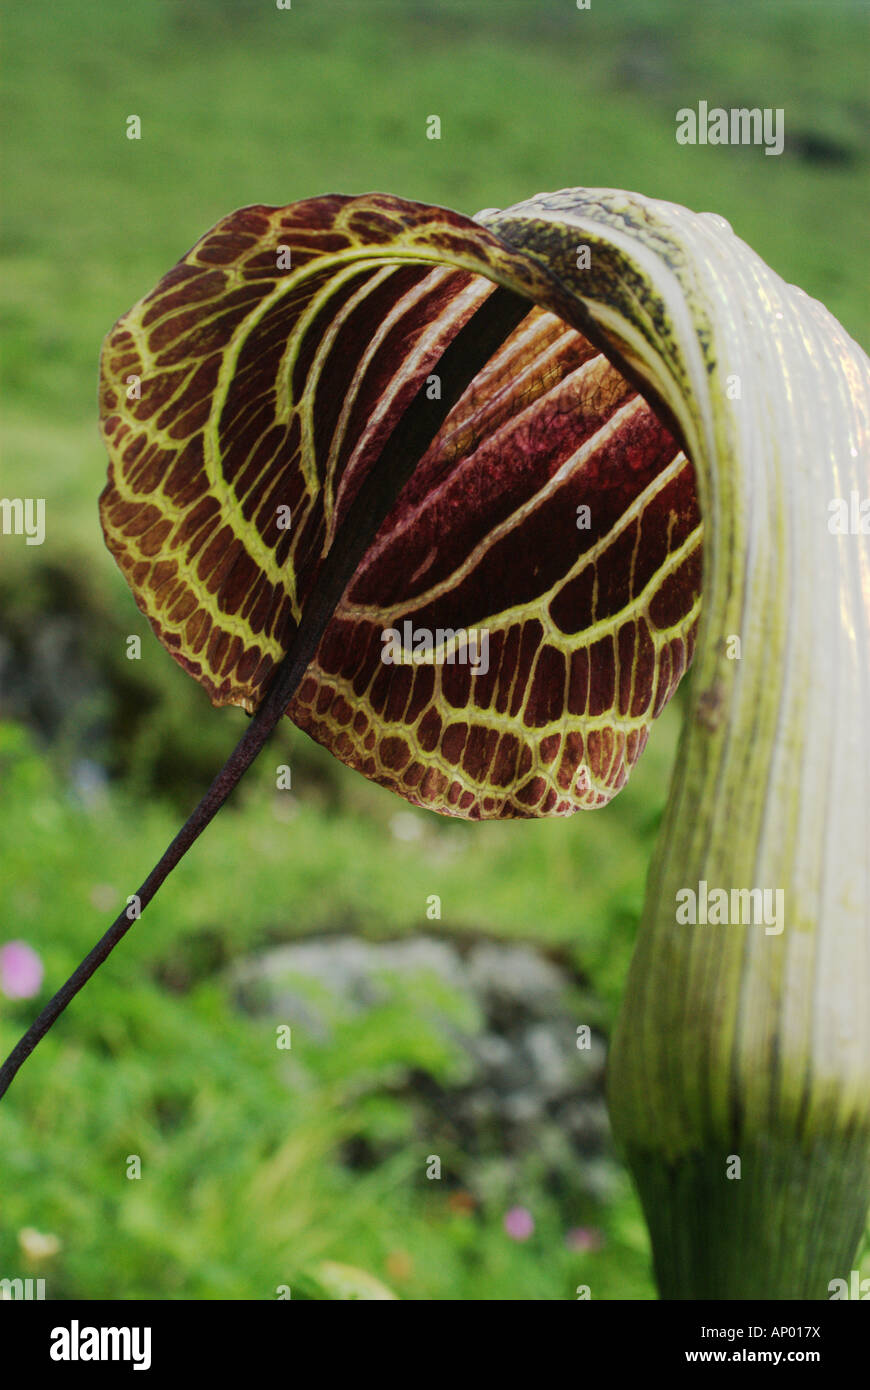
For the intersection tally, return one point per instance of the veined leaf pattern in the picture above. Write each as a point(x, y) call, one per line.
point(243, 385)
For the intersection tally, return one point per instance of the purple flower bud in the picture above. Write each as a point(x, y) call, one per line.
point(519, 1223)
point(584, 1238)
point(20, 970)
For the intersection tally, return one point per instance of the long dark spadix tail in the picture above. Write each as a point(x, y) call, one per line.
point(469, 351)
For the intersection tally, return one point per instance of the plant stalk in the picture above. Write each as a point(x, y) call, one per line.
point(461, 361)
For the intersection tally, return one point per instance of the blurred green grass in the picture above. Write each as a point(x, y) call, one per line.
point(243, 1184)
point(243, 1188)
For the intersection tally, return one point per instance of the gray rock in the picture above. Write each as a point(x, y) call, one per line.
point(526, 1093)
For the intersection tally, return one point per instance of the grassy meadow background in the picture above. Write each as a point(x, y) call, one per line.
point(246, 1181)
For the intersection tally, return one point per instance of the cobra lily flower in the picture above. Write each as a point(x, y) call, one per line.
point(463, 497)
